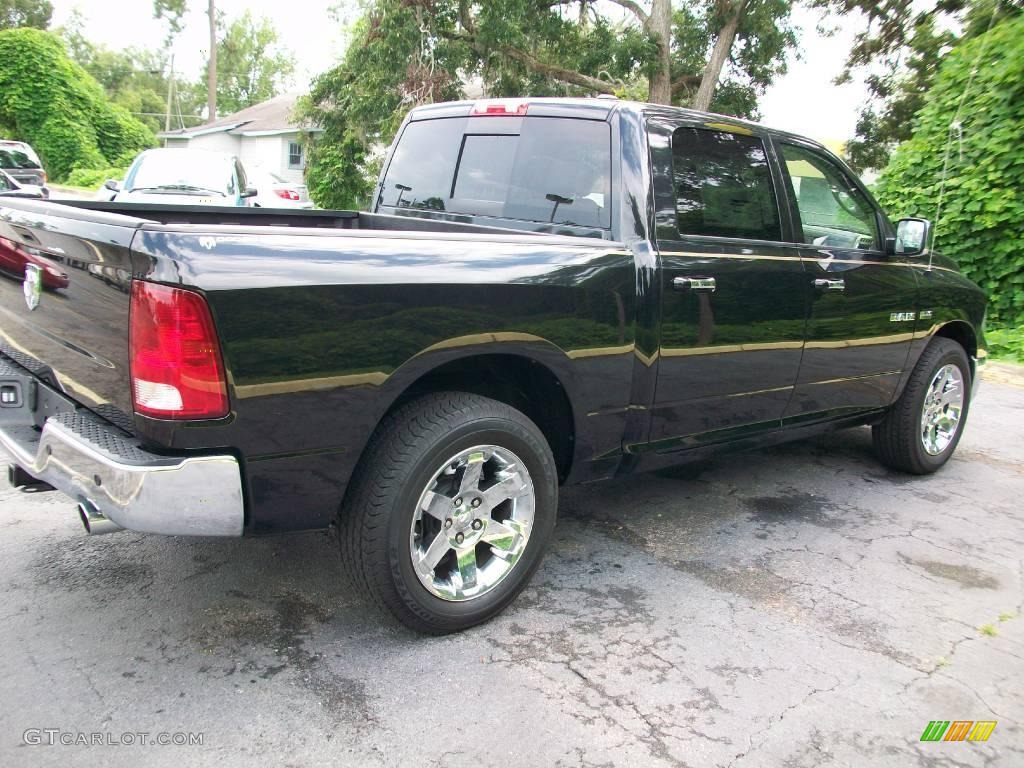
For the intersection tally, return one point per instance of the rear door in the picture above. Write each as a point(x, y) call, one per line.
point(732, 290)
point(860, 301)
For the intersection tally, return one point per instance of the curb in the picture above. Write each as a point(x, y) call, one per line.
point(1003, 372)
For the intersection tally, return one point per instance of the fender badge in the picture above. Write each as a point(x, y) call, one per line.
point(33, 286)
point(901, 317)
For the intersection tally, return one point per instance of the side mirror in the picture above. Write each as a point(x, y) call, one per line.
point(912, 237)
point(112, 184)
point(249, 192)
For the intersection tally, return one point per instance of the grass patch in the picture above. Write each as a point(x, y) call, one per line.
point(988, 629)
point(1007, 615)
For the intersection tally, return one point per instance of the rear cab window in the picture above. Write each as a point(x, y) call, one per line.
point(545, 170)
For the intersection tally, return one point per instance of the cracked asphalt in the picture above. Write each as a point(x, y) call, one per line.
point(796, 606)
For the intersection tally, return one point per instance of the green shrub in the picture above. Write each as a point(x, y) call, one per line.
point(52, 103)
point(1006, 343)
point(983, 210)
point(92, 178)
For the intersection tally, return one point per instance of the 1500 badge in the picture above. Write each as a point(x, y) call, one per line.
point(902, 317)
point(33, 285)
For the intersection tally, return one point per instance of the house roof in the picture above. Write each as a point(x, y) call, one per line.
point(276, 115)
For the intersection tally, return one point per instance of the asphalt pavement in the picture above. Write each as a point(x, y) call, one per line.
point(796, 606)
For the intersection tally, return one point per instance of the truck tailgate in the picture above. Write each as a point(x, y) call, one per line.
point(74, 331)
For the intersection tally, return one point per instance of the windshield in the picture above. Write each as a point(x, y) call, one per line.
point(18, 157)
point(181, 170)
point(552, 170)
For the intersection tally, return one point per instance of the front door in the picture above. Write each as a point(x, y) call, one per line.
point(860, 301)
point(732, 306)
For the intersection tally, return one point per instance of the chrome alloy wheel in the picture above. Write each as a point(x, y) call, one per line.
point(472, 522)
point(943, 407)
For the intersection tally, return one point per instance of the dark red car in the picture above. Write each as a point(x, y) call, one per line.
point(14, 257)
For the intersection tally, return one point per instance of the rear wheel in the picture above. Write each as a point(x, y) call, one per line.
point(923, 428)
point(450, 511)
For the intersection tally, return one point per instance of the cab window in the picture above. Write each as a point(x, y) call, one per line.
point(833, 211)
point(723, 185)
point(537, 169)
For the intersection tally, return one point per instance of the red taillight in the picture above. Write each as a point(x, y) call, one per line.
point(176, 367)
point(287, 194)
point(500, 108)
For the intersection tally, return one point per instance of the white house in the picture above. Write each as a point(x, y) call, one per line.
point(265, 135)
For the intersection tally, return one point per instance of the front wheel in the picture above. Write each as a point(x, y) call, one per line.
point(922, 429)
point(451, 510)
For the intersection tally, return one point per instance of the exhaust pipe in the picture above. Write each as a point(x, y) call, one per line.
point(19, 478)
point(95, 521)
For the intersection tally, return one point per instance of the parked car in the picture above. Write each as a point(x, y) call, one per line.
point(183, 177)
point(11, 188)
point(275, 192)
point(20, 161)
point(15, 258)
point(547, 291)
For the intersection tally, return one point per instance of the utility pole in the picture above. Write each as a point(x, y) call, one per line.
point(211, 72)
point(170, 96)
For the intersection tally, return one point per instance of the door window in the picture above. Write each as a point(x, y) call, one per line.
point(833, 210)
point(723, 185)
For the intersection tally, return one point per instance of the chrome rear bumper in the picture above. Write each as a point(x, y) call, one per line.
point(106, 472)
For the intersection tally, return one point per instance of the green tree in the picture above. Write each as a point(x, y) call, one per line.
point(172, 12)
point(51, 102)
point(720, 53)
point(965, 152)
point(900, 48)
point(25, 13)
point(253, 67)
point(135, 78)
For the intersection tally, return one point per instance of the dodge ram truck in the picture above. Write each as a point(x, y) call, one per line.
point(544, 292)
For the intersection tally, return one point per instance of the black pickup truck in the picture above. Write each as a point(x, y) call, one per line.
point(546, 291)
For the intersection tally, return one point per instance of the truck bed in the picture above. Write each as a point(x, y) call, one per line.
point(77, 338)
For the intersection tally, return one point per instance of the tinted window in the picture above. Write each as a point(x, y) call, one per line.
point(723, 185)
point(833, 211)
point(537, 169)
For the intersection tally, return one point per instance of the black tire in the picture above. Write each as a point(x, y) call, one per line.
point(897, 438)
point(406, 451)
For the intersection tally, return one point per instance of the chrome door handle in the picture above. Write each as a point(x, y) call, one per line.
point(830, 285)
point(703, 284)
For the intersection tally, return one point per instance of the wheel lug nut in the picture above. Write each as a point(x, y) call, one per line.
point(457, 502)
point(459, 537)
point(448, 523)
point(475, 503)
point(477, 525)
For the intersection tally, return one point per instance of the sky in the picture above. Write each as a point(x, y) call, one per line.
point(804, 100)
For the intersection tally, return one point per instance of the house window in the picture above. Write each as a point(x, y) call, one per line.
point(295, 159)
